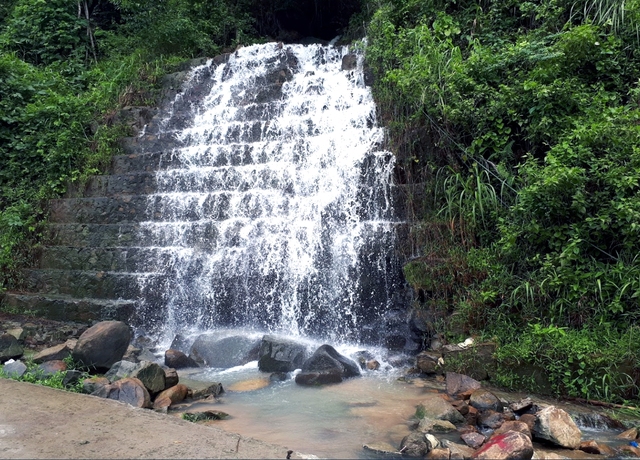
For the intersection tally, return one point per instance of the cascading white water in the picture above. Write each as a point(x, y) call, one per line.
point(279, 216)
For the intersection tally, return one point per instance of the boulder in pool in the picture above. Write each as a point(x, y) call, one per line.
point(326, 365)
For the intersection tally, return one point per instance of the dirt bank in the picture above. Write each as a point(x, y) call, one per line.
point(40, 422)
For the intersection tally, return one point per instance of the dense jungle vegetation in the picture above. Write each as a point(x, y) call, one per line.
point(516, 126)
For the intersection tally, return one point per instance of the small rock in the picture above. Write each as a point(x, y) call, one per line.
point(171, 378)
point(9, 348)
point(279, 377)
point(556, 426)
point(458, 450)
point(71, 378)
point(381, 448)
point(436, 426)
point(590, 447)
point(373, 365)
point(529, 419)
point(511, 445)
point(19, 333)
point(490, 419)
point(349, 61)
point(93, 384)
point(127, 390)
point(325, 366)
point(461, 407)
point(151, 375)
point(472, 416)
point(434, 407)
point(15, 369)
point(483, 400)
point(414, 445)
point(634, 451)
point(121, 370)
point(178, 360)
point(428, 362)
point(459, 383)
point(50, 368)
point(212, 390)
point(514, 425)
point(55, 353)
point(521, 406)
point(432, 441)
point(631, 434)
point(170, 396)
point(473, 440)
point(205, 415)
point(439, 454)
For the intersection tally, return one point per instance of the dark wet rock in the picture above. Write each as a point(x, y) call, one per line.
point(103, 344)
point(349, 61)
point(473, 440)
point(55, 353)
point(521, 406)
point(15, 369)
point(529, 419)
point(427, 362)
point(414, 445)
point(490, 419)
point(382, 448)
point(460, 383)
point(50, 368)
point(151, 375)
point(514, 425)
point(127, 390)
point(557, 427)
point(212, 351)
point(471, 417)
point(434, 407)
point(9, 348)
point(132, 354)
point(483, 399)
point(205, 415)
point(71, 378)
point(461, 407)
point(280, 355)
point(180, 343)
point(511, 445)
point(93, 384)
point(121, 370)
point(372, 365)
point(325, 366)
point(170, 396)
point(178, 360)
point(279, 377)
point(214, 390)
point(170, 378)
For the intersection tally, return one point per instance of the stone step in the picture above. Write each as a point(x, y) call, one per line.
point(124, 259)
point(137, 183)
point(96, 284)
point(197, 235)
point(65, 308)
point(144, 162)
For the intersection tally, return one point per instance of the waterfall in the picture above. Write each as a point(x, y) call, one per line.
point(276, 211)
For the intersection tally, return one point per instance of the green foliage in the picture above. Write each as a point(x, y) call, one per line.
point(529, 114)
point(35, 375)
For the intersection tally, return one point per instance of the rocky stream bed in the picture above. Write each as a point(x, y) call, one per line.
point(424, 413)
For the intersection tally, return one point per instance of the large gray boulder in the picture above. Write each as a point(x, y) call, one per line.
point(212, 351)
point(482, 399)
point(55, 353)
point(326, 365)
point(280, 355)
point(102, 345)
point(556, 426)
point(121, 370)
point(9, 348)
point(151, 375)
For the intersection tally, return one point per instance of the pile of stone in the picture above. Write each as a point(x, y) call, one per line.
point(487, 427)
point(128, 376)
